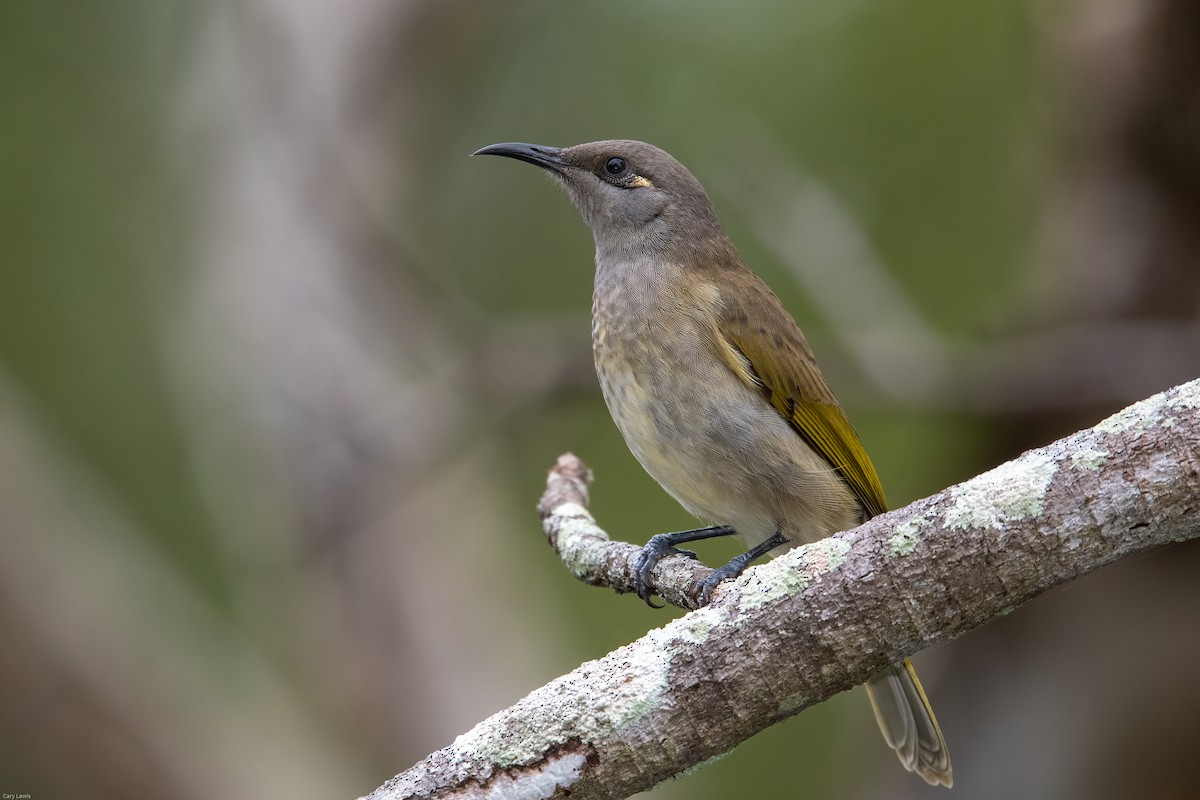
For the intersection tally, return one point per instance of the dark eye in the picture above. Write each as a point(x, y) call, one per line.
point(615, 166)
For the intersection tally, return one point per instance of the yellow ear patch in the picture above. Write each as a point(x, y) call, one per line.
point(638, 180)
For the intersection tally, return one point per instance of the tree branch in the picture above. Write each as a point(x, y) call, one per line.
point(821, 618)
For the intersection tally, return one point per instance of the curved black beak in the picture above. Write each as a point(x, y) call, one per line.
point(537, 154)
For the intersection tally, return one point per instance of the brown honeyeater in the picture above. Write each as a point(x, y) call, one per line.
point(717, 392)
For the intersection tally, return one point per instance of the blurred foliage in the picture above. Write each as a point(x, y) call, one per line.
point(286, 368)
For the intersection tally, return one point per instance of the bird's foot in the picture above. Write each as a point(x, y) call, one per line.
point(658, 548)
point(662, 545)
point(703, 592)
point(736, 566)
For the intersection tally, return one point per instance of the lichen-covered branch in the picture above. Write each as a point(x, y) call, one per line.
point(821, 618)
point(588, 552)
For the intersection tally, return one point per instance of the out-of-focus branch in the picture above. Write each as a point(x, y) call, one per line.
point(821, 618)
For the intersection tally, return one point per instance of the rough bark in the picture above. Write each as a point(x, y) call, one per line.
point(820, 619)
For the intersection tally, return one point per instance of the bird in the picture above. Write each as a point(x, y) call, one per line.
point(717, 392)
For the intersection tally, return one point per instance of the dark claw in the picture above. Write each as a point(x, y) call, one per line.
point(736, 566)
point(662, 545)
point(703, 593)
point(658, 548)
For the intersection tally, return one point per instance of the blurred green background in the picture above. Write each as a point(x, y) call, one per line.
point(281, 369)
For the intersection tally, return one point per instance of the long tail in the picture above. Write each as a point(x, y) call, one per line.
point(908, 723)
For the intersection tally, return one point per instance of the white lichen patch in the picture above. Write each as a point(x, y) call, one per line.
point(1088, 459)
point(826, 555)
point(1184, 399)
point(694, 628)
point(590, 703)
point(1187, 397)
point(1153, 410)
point(790, 573)
point(907, 535)
point(574, 520)
point(767, 583)
point(579, 541)
point(1010, 492)
point(542, 781)
point(1135, 418)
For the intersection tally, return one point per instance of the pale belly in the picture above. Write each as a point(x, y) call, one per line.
point(715, 444)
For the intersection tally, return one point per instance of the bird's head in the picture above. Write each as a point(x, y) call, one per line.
point(628, 192)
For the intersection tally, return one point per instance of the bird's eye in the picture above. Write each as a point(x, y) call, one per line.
point(615, 166)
